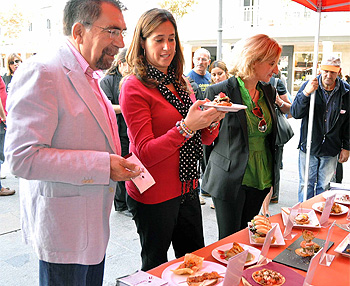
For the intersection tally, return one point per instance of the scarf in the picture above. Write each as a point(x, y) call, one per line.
point(191, 151)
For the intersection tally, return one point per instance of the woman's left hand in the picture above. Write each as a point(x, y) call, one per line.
point(197, 119)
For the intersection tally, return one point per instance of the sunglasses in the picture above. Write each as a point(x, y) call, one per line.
point(262, 126)
point(16, 61)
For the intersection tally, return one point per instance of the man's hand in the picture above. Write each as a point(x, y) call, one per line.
point(122, 169)
point(311, 86)
point(343, 156)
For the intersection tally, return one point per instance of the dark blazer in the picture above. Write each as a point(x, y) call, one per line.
point(228, 157)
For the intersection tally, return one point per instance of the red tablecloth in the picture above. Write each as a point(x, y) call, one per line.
point(337, 274)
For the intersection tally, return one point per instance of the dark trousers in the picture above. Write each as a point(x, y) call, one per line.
point(233, 216)
point(177, 221)
point(277, 169)
point(120, 192)
point(55, 274)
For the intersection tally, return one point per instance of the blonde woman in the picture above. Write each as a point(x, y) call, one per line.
point(240, 170)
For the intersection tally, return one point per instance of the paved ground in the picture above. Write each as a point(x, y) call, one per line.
point(19, 265)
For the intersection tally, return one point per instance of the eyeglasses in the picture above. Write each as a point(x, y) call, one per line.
point(113, 33)
point(16, 61)
point(262, 126)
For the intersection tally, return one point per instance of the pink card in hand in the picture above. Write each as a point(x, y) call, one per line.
point(144, 181)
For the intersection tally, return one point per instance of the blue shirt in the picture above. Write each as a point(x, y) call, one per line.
point(203, 81)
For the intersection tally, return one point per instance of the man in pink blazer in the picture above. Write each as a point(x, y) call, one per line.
point(62, 141)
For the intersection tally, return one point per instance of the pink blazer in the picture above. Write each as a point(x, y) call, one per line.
point(58, 142)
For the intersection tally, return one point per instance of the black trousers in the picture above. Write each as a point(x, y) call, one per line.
point(177, 221)
point(277, 169)
point(233, 216)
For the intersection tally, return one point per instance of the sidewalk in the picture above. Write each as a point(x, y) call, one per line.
point(19, 264)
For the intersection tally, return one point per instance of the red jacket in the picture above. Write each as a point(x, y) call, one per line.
point(154, 139)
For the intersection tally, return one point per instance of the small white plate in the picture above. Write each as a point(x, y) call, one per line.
point(341, 246)
point(314, 223)
point(252, 250)
point(344, 209)
point(233, 108)
point(278, 234)
point(338, 195)
point(175, 279)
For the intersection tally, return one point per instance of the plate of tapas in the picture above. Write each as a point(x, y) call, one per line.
point(337, 209)
point(259, 226)
point(194, 269)
point(222, 103)
point(224, 252)
point(305, 218)
point(341, 196)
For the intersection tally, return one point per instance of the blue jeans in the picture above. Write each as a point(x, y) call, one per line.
point(54, 274)
point(321, 171)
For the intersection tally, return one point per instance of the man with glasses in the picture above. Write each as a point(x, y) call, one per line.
point(62, 142)
point(331, 126)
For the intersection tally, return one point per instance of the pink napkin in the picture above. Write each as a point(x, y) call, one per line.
point(292, 278)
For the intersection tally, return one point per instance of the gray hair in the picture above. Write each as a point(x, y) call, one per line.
point(85, 12)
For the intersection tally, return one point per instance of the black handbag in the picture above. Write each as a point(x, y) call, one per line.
point(284, 130)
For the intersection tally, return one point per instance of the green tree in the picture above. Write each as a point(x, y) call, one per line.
point(178, 8)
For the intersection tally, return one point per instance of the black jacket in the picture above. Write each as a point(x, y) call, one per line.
point(228, 158)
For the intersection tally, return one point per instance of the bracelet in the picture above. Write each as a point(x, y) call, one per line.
point(281, 104)
point(187, 133)
point(185, 128)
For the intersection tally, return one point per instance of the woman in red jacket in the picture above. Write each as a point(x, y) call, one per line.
point(166, 132)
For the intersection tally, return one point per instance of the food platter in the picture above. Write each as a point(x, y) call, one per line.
point(252, 250)
point(313, 223)
point(278, 234)
point(341, 196)
point(175, 280)
point(343, 246)
point(233, 108)
point(344, 209)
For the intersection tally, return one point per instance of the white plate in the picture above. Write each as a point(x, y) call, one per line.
point(233, 108)
point(338, 195)
point(254, 251)
point(174, 279)
point(314, 222)
point(278, 234)
point(344, 209)
point(343, 245)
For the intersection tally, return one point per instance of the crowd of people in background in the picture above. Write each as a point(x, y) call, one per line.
point(74, 167)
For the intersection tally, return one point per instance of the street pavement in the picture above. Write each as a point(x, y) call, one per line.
point(19, 264)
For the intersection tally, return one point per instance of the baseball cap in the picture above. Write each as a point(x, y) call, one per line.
point(330, 64)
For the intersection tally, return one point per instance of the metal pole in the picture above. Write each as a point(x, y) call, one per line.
point(311, 109)
point(219, 43)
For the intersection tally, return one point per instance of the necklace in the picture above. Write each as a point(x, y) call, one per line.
point(254, 95)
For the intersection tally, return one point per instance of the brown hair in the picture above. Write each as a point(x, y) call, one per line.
point(135, 58)
point(219, 64)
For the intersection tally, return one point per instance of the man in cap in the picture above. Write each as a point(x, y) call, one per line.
point(330, 133)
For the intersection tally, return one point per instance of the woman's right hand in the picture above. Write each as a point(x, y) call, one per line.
point(197, 119)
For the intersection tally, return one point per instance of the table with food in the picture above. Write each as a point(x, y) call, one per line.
point(288, 260)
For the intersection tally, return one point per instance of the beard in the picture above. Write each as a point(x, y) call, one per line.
point(104, 63)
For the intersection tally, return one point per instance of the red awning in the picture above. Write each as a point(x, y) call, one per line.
point(326, 5)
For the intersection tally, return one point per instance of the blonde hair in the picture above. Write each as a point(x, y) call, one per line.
point(258, 48)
